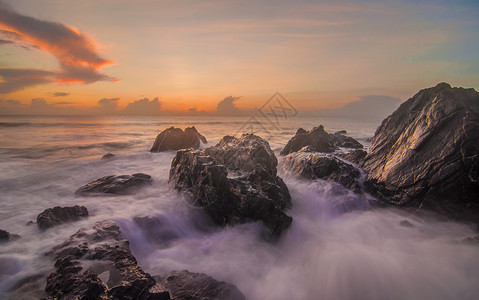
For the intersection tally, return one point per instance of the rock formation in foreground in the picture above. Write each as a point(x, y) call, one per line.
point(58, 215)
point(234, 182)
point(319, 140)
point(175, 138)
point(120, 185)
point(426, 154)
point(184, 285)
point(96, 263)
point(314, 165)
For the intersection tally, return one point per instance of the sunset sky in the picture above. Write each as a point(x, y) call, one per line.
point(106, 54)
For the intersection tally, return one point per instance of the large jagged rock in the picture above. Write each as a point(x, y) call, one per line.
point(96, 263)
point(116, 184)
point(315, 165)
point(319, 140)
point(58, 215)
point(184, 285)
point(426, 154)
point(175, 138)
point(234, 182)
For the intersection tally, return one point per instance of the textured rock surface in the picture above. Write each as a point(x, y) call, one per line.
point(426, 154)
point(96, 263)
point(319, 140)
point(355, 156)
point(185, 285)
point(234, 182)
point(55, 216)
point(120, 185)
point(175, 138)
point(314, 165)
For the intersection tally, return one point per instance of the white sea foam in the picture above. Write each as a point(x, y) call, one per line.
point(336, 248)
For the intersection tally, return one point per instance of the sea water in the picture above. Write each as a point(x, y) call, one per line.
point(336, 248)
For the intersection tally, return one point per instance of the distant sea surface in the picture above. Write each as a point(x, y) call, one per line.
point(335, 248)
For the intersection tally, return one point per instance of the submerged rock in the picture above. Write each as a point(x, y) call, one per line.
point(426, 154)
point(108, 156)
point(234, 182)
point(58, 215)
point(184, 285)
point(314, 165)
point(6, 236)
point(96, 263)
point(175, 138)
point(120, 185)
point(319, 140)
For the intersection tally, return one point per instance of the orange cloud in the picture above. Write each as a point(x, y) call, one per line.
point(76, 53)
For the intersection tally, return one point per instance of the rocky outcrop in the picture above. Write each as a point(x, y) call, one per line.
point(6, 236)
point(184, 285)
point(175, 138)
point(355, 156)
point(426, 154)
point(315, 165)
point(319, 140)
point(234, 182)
point(96, 263)
point(58, 215)
point(120, 185)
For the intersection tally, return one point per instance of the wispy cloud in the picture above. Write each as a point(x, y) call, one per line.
point(76, 53)
point(60, 94)
point(18, 79)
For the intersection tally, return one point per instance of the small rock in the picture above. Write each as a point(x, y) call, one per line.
point(108, 156)
point(55, 216)
point(406, 223)
point(319, 140)
point(184, 285)
point(5, 236)
point(120, 185)
point(175, 138)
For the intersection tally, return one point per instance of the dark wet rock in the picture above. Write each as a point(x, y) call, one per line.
point(315, 165)
point(120, 185)
point(426, 154)
point(108, 156)
point(96, 263)
point(234, 182)
point(175, 138)
point(58, 215)
point(319, 140)
point(355, 156)
point(6, 236)
point(472, 240)
point(406, 223)
point(156, 229)
point(184, 285)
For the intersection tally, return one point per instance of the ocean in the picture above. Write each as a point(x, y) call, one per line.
point(336, 248)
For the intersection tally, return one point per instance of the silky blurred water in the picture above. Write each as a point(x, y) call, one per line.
point(337, 247)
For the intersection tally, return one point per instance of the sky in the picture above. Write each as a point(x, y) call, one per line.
point(195, 57)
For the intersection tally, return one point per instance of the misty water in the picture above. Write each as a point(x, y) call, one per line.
point(338, 247)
